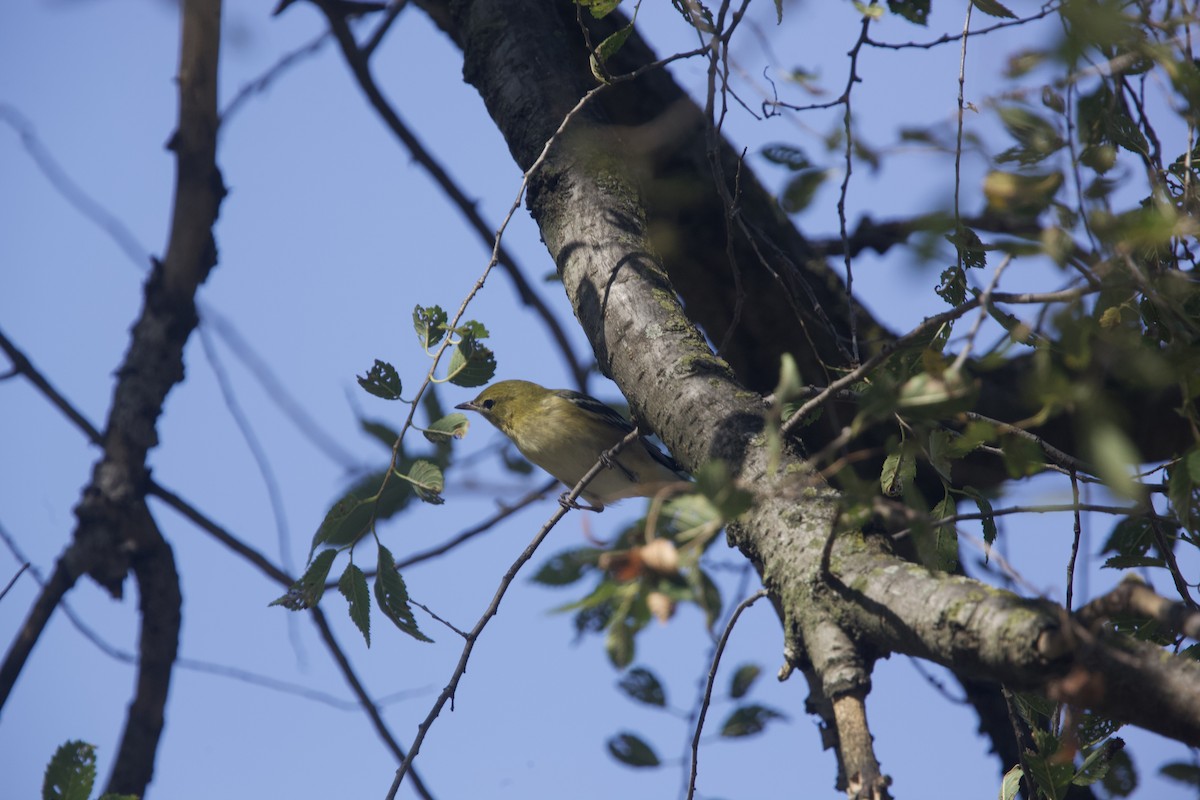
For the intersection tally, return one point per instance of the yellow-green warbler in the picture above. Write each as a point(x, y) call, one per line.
point(565, 432)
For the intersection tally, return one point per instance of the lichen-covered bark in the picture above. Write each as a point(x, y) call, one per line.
point(589, 202)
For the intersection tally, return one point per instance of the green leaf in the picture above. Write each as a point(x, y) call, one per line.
point(1010, 787)
point(350, 517)
point(915, 11)
point(307, 591)
point(971, 249)
point(985, 508)
point(1095, 765)
point(568, 566)
point(743, 679)
point(1022, 457)
point(392, 596)
point(706, 595)
point(1192, 463)
point(71, 772)
point(749, 720)
point(618, 642)
point(642, 685)
point(1121, 778)
point(471, 364)
point(380, 431)
point(993, 8)
point(1025, 195)
point(381, 380)
point(786, 155)
point(716, 484)
point(899, 470)
point(632, 751)
point(607, 49)
point(451, 426)
point(599, 8)
point(800, 190)
point(427, 480)
point(952, 285)
point(1116, 460)
point(353, 586)
point(1182, 772)
point(943, 551)
point(430, 325)
point(1037, 138)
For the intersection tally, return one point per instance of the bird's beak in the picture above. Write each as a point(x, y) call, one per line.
point(468, 406)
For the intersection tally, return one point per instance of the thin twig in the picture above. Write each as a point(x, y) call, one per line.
point(708, 689)
point(447, 694)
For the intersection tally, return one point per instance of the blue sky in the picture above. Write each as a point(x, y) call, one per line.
point(329, 236)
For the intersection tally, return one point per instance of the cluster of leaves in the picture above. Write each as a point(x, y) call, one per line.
point(1049, 765)
point(383, 493)
point(1082, 142)
point(651, 566)
point(71, 774)
point(643, 686)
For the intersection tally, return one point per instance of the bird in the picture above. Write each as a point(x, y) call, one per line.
point(566, 432)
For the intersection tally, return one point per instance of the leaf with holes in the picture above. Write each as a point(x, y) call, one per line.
point(430, 325)
point(392, 596)
point(381, 380)
point(307, 591)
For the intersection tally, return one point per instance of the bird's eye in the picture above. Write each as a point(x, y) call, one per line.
point(487, 404)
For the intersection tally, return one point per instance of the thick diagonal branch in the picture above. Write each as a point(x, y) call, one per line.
point(589, 206)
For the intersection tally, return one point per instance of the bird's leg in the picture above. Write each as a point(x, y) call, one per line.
point(614, 463)
point(578, 505)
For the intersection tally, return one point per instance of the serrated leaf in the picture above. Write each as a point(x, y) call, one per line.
point(71, 772)
point(993, 8)
point(471, 364)
point(353, 586)
point(1095, 765)
point(392, 596)
point(749, 720)
point(989, 520)
point(642, 685)
point(943, 549)
point(743, 679)
point(607, 49)
point(1010, 787)
point(427, 481)
point(899, 470)
point(381, 380)
point(568, 566)
point(451, 426)
point(971, 249)
point(350, 517)
point(308, 590)
point(632, 751)
point(430, 325)
point(915, 11)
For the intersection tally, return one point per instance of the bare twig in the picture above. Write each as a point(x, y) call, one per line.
point(708, 689)
point(506, 580)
